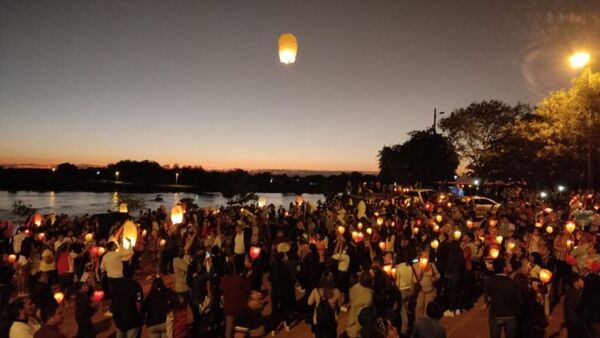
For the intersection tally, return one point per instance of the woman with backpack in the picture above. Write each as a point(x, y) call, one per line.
point(326, 299)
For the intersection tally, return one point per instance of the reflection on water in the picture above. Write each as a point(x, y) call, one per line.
point(80, 203)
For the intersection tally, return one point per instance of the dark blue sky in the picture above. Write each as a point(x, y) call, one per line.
point(199, 82)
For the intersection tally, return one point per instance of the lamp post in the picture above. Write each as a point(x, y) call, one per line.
point(581, 60)
point(117, 175)
point(435, 114)
point(176, 178)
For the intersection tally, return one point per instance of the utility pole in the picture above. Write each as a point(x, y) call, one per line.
point(435, 119)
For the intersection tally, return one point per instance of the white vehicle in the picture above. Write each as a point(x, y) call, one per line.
point(421, 195)
point(483, 205)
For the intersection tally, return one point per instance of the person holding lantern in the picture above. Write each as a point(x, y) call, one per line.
point(425, 274)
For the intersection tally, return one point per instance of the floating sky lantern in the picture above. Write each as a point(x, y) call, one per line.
point(288, 48)
point(369, 231)
point(435, 244)
point(255, 252)
point(177, 214)
point(549, 229)
point(570, 226)
point(457, 234)
point(423, 263)
point(58, 297)
point(88, 237)
point(499, 239)
point(37, 219)
point(545, 275)
point(98, 295)
point(341, 229)
point(494, 253)
point(380, 221)
point(130, 233)
point(262, 202)
point(123, 208)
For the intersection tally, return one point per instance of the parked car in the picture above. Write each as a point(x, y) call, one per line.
point(483, 205)
point(421, 195)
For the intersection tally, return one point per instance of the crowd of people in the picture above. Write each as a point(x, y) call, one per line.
point(393, 265)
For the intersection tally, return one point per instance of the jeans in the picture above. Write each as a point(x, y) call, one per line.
point(157, 331)
point(131, 333)
point(509, 324)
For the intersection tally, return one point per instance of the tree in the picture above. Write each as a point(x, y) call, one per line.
point(426, 157)
point(476, 130)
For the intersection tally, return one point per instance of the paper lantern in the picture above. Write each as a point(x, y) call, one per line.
point(37, 219)
point(423, 263)
point(493, 222)
point(89, 236)
point(255, 252)
point(359, 226)
point(369, 231)
point(262, 202)
point(457, 234)
point(439, 218)
point(41, 236)
point(549, 229)
point(511, 245)
point(162, 242)
point(469, 224)
point(177, 214)
point(94, 251)
point(494, 253)
point(12, 258)
point(569, 243)
point(436, 228)
point(288, 47)
point(58, 297)
point(380, 221)
point(499, 239)
point(570, 226)
point(123, 208)
point(538, 224)
point(435, 244)
point(415, 230)
point(27, 232)
point(449, 205)
point(130, 232)
point(101, 250)
point(376, 214)
point(354, 235)
point(341, 230)
point(428, 206)
point(299, 199)
point(548, 210)
point(382, 246)
point(545, 275)
point(360, 237)
point(98, 295)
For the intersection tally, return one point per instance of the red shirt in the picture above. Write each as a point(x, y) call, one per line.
point(62, 263)
point(235, 290)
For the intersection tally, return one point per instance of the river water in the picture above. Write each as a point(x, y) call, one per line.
point(80, 203)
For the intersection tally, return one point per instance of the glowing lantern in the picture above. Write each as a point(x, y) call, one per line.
point(177, 214)
point(360, 237)
point(162, 242)
point(423, 262)
point(123, 207)
point(511, 245)
point(98, 295)
point(570, 226)
point(130, 233)
point(255, 252)
point(569, 243)
point(37, 219)
point(382, 246)
point(288, 47)
point(94, 251)
point(449, 205)
point(538, 224)
point(359, 226)
point(457, 234)
point(415, 230)
point(545, 275)
point(369, 231)
point(89, 236)
point(428, 206)
point(380, 221)
point(548, 210)
point(499, 239)
point(438, 218)
point(387, 269)
point(27, 233)
point(12, 258)
point(262, 202)
point(494, 253)
point(341, 230)
point(435, 244)
point(436, 228)
point(41, 236)
point(354, 235)
point(549, 229)
point(493, 222)
point(101, 250)
point(469, 224)
point(393, 273)
point(58, 297)
point(299, 199)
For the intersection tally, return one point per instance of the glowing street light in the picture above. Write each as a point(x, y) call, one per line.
point(117, 175)
point(579, 60)
point(176, 178)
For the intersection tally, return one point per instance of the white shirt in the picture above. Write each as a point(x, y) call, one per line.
point(239, 246)
point(404, 276)
point(343, 261)
point(112, 262)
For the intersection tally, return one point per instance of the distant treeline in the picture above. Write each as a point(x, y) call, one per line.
point(149, 176)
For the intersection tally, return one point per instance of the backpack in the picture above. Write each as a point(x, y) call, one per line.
point(325, 314)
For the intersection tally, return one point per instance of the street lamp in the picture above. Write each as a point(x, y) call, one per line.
point(176, 178)
point(580, 60)
point(117, 175)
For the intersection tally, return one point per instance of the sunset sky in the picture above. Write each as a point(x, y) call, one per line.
point(200, 83)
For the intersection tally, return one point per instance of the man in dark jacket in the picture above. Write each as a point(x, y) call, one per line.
point(575, 327)
point(127, 306)
point(503, 296)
